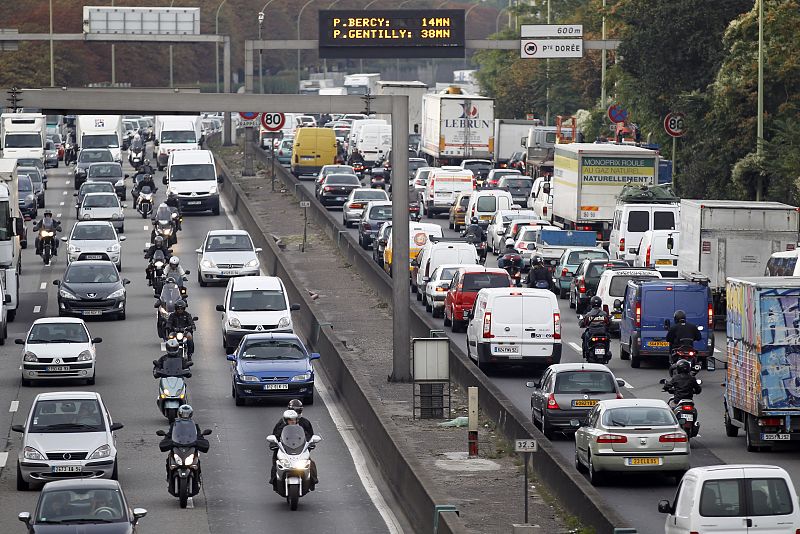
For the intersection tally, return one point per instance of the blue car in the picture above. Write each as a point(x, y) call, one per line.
point(272, 366)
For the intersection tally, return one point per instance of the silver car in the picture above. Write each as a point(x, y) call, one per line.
point(226, 254)
point(68, 434)
point(354, 206)
point(631, 436)
point(94, 240)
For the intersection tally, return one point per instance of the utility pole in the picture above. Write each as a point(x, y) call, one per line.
point(603, 62)
point(760, 112)
point(113, 60)
point(52, 67)
point(547, 75)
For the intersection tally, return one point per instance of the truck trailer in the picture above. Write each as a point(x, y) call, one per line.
point(456, 127)
point(12, 228)
point(24, 135)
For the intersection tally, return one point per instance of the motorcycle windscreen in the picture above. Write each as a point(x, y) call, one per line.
point(163, 213)
point(173, 366)
point(184, 432)
point(169, 295)
point(293, 439)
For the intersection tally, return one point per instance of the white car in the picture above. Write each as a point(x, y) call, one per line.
point(226, 254)
point(497, 227)
point(437, 286)
point(68, 434)
point(103, 207)
point(58, 348)
point(94, 240)
point(254, 304)
point(356, 202)
point(611, 287)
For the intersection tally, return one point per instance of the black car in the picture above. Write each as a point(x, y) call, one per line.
point(82, 505)
point(38, 180)
point(480, 168)
point(375, 214)
point(519, 187)
point(108, 172)
point(380, 243)
point(86, 157)
point(91, 187)
point(91, 289)
point(583, 285)
point(335, 188)
point(27, 198)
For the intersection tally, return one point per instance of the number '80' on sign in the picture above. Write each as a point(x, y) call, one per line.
point(675, 124)
point(272, 122)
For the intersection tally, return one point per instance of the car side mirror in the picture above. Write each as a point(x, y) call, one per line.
point(56, 282)
point(19, 341)
point(126, 176)
point(620, 382)
point(160, 433)
point(123, 238)
point(187, 271)
point(314, 356)
point(662, 381)
point(25, 517)
point(664, 507)
point(139, 513)
point(273, 439)
point(230, 358)
point(97, 340)
point(220, 308)
point(116, 426)
point(207, 432)
point(18, 428)
point(315, 439)
point(533, 383)
point(294, 307)
point(195, 318)
point(259, 249)
point(198, 250)
point(414, 263)
point(125, 281)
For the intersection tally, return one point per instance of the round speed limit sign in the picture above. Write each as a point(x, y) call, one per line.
point(272, 122)
point(675, 124)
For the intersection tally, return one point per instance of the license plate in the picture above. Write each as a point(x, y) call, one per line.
point(306, 158)
point(194, 202)
point(617, 315)
point(643, 461)
point(506, 350)
point(67, 469)
point(94, 257)
point(663, 262)
point(658, 344)
point(276, 386)
point(230, 273)
point(687, 417)
point(486, 217)
point(584, 403)
point(341, 199)
point(599, 351)
point(92, 312)
point(58, 368)
point(776, 437)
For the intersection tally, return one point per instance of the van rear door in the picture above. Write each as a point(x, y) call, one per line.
point(522, 325)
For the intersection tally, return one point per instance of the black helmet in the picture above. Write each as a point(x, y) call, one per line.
point(296, 405)
point(537, 260)
point(680, 316)
point(172, 346)
point(596, 302)
point(474, 220)
point(683, 367)
point(158, 241)
point(180, 303)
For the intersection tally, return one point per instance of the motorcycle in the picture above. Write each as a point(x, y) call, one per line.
point(181, 336)
point(684, 409)
point(479, 244)
point(136, 158)
point(183, 463)
point(293, 466)
point(598, 346)
point(144, 202)
point(165, 305)
point(686, 351)
point(172, 390)
point(513, 268)
point(377, 181)
point(359, 168)
point(47, 242)
point(166, 229)
point(154, 272)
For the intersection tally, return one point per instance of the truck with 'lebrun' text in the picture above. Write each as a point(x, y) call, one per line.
point(588, 177)
point(456, 127)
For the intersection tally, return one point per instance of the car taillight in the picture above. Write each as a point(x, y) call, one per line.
point(551, 403)
point(544, 211)
point(487, 325)
point(327, 188)
point(711, 316)
point(647, 257)
point(611, 438)
point(356, 206)
point(582, 287)
point(366, 226)
point(677, 437)
point(622, 244)
point(564, 271)
point(687, 407)
point(638, 314)
point(769, 421)
point(556, 326)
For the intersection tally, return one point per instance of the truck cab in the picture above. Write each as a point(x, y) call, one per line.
point(647, 315)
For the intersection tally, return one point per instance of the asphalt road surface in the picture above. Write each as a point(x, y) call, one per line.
point(235, 496)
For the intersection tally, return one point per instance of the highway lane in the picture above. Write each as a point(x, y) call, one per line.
point(634, 497)
point(235, 496)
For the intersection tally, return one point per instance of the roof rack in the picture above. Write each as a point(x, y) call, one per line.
point(645, 194)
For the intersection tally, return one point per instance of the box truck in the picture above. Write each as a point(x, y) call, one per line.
point(456, 127)
point(100, 131)
point(510, 135)
point(24, 135)
point(176, 132)
point(415, 91)
point(12, 229)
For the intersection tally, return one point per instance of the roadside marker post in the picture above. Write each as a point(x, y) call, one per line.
point(526, 446)
point(305, 204)
point(472, 433)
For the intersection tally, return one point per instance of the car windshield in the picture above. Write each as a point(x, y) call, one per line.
point(372, 194)
point(100, 201)
point(95, 156)
point(178, 136)
point(93, 232)
point(381, 213)
point(24, 185)
point(447, 274)
point(219, 243)
point(58, 333)
point(638, 416)
point(528, 235)
point(194, 172)
point(96, 187)
point(478, 165)
point(100, 141)
point(577, 256)
point(618, 283)
point(586, 382)
point(273, 349)
point(478, 281)
point(67, 415)
point(110, 170)
point(258, 300)
point(29, 162)
point(21, 140)
point(84, 505)
point(516, 182)
point(343, 179)
point(82, 273)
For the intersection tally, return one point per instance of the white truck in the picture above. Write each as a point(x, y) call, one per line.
point(100, 131)
point(731, 238)
point(588, 177)
point(361, 84)
point(12, 228)
point(415, 91)
point(176, 132)
point(456, 127)
point(24, 135)
point(510, 135)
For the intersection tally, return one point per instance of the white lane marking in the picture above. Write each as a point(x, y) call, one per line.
point(14, 406)
point(358, 458)
point(716, 349)
point(146, 228)
point(66, 183)
point(163, 347)
point(58, 215)
point(576, 347)
point(627, 385)
point(43, 285)
point(37, 309)
point(65, 193)
point(190, 502)
point(60, 203)
point(3, 459)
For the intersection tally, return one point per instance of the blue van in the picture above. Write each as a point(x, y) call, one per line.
point(648, 304)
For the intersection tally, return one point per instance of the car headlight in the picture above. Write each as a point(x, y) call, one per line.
point(104, 451)
point(213, 189)
point(29, 453)
point(284, 322)
point(302, 378)
point(233, 322)
point(85, 356)
point(64, 294)
point(117, 294)
point(208, 264)
point(113, 248)
point(252, 263)
point(29, 357)
point(72, 249)
point(114, 216)
point(249, 378)
point(189, 460)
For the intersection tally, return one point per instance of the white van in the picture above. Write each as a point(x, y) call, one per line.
point(355, 131)
point(783, 264)
point(631, 221)
point(514, 326)
point(192, 175)
point(485, 203)
point(374, 142)
point(438, 252)
point(443, 187)
point(733, 499)
point(540, 201)
point(653, 252)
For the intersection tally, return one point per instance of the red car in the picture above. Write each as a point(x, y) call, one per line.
point(464, 289)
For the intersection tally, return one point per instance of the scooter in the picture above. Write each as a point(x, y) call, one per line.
point(172, 390)
point(47, 242)
point(184, 476)
point(144, 202)
point(136, 158)
point(598, 345)
point(293, 466)
point(684, 409)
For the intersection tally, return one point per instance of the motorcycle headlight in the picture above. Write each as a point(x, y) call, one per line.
point(301, 464)
point(208, 264)
point(64, 294)
point(104, 451)
point(85, 356)
point(46, 233)
point(284, 322)
point(29, 453)
point(159, 264)
point(249, 378)
point(29, 357)
point(113, 248)
point(179, 336)
point(164, 393)
point(252, 263)
point(177, 458)
point(284, 464)
point(233, 322)
point(302, 378)
point(118, 293)
point(189, 460)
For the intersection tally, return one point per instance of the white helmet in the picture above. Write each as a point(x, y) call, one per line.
point(289, 414)
point(174, 261)
point(509, 242)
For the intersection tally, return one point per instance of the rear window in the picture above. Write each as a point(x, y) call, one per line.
point(596, 269)
point(464, 202)
point(769, 496)
point(663, 220)
point(372, 194)
point(721, 498)
point(517, 182)
point(586, 382)
point(477, 281)
point(343, 179)
point(447, 274)
point(618, 283)
point(486, 203)
point(764, 496)
point(529, 235)
point(380, 213)
point(638, 221)
point(692, 301)
point(526, 309)
point(578, 256)
point(641, 416)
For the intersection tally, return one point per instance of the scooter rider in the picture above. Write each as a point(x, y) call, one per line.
point(175, 270)
point(175, 204)
point(681, 330)
point(172, 352)
point(538, 274)
point(185, 413)
point(506, 259)
point(158, 244)
point(682, 384)
point(596, 321)
point(180, 320)
point(297, 406)
point(291, 417)
point(146, 168)
point(47, 223)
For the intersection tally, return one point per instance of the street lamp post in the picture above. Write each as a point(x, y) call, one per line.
point(113, 60)
point(547, 75)
point(299, 15)
point(216, 45)
point(603, 62)
point(466, 16)
point(760, 106)
point(260, 66)
point(497, 20)
point(52, 67)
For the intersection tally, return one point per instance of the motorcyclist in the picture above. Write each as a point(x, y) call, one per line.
point(185, 413)
point(355, 157)
point(158, 244)
point(146, 180)
point(47, 223)
point(70, 151)
point(474, 231)
point(297, 406)
point(175, 204)
point(136, 144)
point(181, 320)
point(291, 417)
point(146, 168)
point(172, 348)
point(681, 330)
point(175, 270)
point(538, 274)
point(682, 384)
point(596, 321)
point(510, 256)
